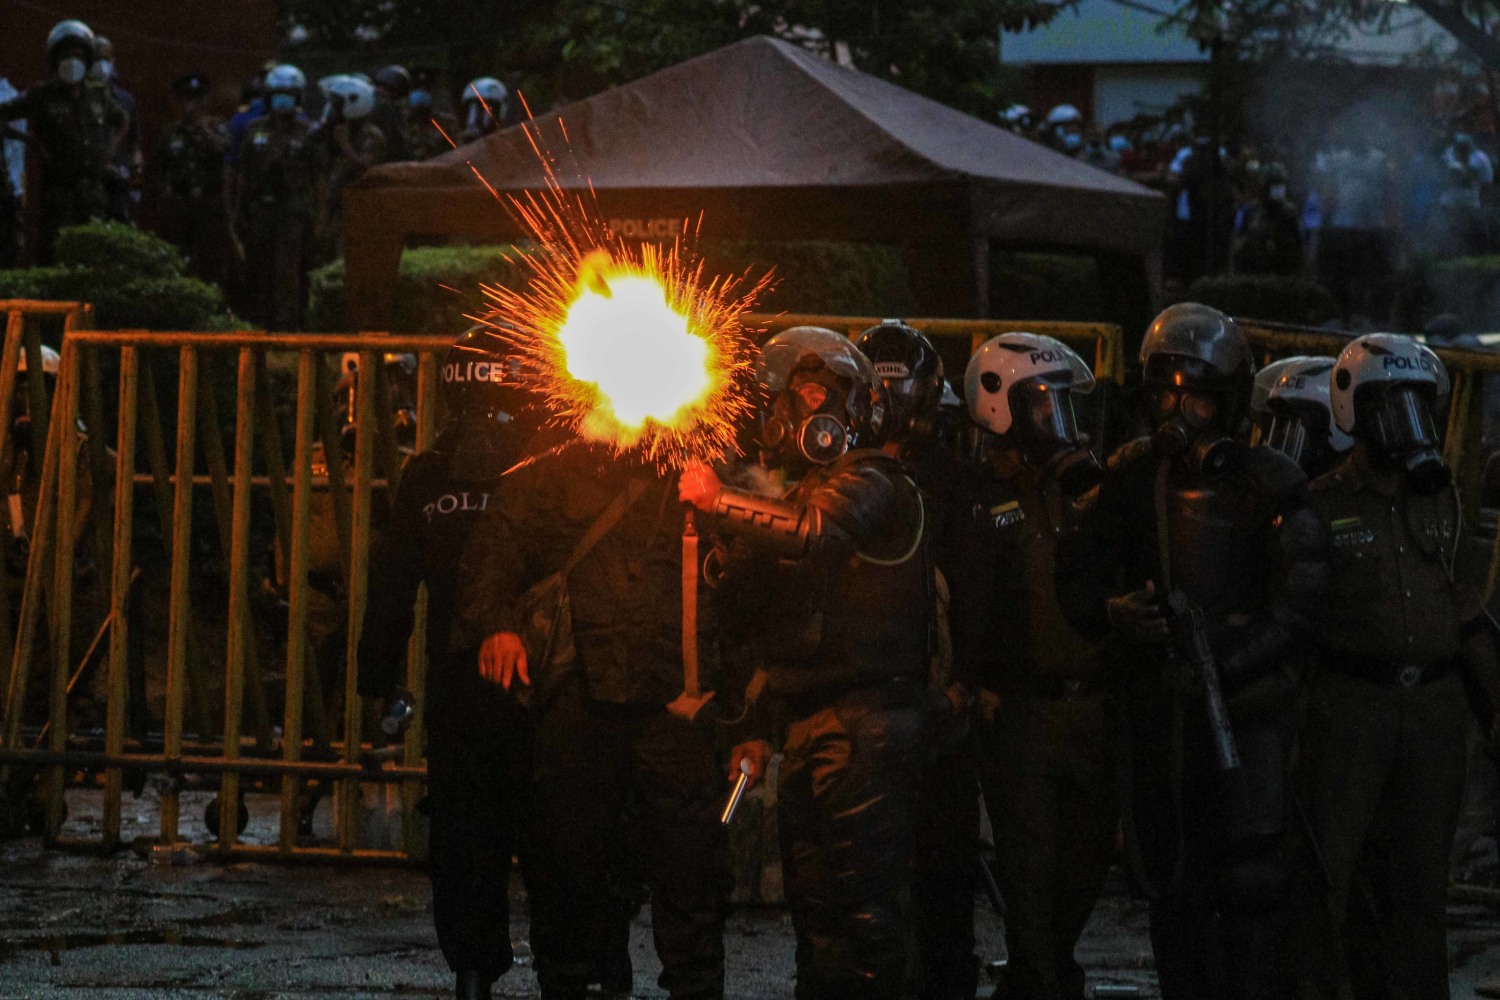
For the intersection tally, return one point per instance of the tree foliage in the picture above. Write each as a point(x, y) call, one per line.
point(566, 49)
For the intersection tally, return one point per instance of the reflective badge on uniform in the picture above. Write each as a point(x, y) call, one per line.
point(1349, 532)
point(1006, 514)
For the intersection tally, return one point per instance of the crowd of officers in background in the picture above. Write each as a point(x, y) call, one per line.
point(1240, 639)
point(1349, 210)
point(254, 201)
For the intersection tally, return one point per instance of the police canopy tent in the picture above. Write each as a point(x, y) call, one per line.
point(766, 141)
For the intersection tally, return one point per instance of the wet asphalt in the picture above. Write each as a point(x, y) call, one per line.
point(76, 926)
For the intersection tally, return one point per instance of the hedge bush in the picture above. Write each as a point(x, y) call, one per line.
point(423, 303)
point(133, 278)
point(1269, 297)
point(810, 277)
point(851, 279)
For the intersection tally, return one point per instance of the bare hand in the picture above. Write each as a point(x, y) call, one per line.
point(502, 660)
point(756, 753)
point(699, 485)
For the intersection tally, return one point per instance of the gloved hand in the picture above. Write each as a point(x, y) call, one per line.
point(1139, 616)
point(757, 753)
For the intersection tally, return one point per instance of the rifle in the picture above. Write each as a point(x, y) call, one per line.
point(1190, 637)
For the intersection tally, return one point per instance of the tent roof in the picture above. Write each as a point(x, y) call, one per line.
point(762, 140)
point(759, 113)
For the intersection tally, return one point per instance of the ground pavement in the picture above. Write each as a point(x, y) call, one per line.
point(78, 927)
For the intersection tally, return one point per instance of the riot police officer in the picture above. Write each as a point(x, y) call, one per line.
point(123, 182)
point(1383, 743)
point(274, 197)
point(353, 143)
point(947, 815)
point(391, 112)
point(191, 169)
point(838, 574)
point(75, 129)
point(429, 130)
point(1188, 523)
point(1293, 414)
point(486, 105)
point(477, 754)
point(614, 728)
point(1049, 779)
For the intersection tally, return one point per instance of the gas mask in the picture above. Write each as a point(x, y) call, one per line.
point(1397, 420)
point(1301, 434)
point(1072, 140)
point(283, 104)
point(805, 426)
point(102, 70)
point(1047, 430)
point(1187, 423)
point(421, 100)
point(72, 70)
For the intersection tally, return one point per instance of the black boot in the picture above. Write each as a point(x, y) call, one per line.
point(473, 985)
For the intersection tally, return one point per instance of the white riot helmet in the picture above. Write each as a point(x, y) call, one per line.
point(1290, 401)
point(51, 362)
point(71, 30)
point(489, 90)
point(1064, 114)
point(356, 97)
point(1022, 384)
point(1385, 390)
point(286, 79)
point(1015, 115)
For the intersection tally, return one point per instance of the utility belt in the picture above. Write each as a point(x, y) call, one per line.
point(1376, 670)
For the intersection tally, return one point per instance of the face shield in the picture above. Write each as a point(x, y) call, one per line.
point(1300, 431)
point(1046, 428)
point(1401, 424)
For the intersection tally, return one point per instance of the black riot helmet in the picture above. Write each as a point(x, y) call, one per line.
point(481, 376)
point(824, 397)
point(911, 372)
point(394, 80)
point(1197, 371)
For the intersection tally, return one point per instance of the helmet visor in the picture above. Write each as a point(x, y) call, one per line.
point(1045, 408)
point(1401, 416)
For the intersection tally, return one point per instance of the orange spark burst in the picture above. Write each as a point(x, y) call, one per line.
point(631, 345)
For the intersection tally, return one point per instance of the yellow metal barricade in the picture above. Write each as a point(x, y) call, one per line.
point(239, 754)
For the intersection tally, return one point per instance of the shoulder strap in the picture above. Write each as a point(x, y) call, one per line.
point(604, 525)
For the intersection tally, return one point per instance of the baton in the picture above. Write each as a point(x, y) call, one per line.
point(740, 784)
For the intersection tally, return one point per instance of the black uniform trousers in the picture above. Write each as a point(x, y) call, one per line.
point(1380, 764)
point(1215, 852)
point(945, 866)
point(1052, 795)
point(478, 807)
point(846, 799)
point(591, 759)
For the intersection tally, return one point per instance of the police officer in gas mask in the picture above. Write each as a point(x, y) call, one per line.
point(837, 572)
point(916, 431)
point(1179, 566)
point(477, 754)
point(1293, 414)
point(1048, 778)
point(1383, 744)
